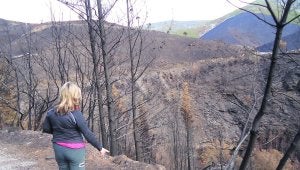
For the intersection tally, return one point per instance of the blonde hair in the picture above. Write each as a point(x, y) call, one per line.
point(70, 98)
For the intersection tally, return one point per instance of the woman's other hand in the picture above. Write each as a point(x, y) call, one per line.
point(104, 152)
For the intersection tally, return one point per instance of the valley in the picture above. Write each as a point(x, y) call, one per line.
point(167, 101)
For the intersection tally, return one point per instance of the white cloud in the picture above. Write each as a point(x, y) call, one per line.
point(189, 9)
point(34, 11)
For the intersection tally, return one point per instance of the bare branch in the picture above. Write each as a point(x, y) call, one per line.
point(293, 19)
point(261, 19)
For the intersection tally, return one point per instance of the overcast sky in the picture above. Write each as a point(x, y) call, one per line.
point(37, 11)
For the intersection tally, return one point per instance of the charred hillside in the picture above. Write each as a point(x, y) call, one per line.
point(245, 29)
point(289, 42)
point(225, 93)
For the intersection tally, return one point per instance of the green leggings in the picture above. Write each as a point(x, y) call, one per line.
point(69, 159)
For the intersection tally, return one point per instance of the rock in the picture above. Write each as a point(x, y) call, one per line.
point(127, 163)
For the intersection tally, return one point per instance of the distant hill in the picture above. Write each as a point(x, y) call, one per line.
point(197, 30)
point(12, 28)
point(165, 25)
point(246, 29)
point(185, 28)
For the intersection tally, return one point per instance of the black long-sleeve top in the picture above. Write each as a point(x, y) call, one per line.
point(69, 128)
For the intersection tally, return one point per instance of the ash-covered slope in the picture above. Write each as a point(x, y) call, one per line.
point(245, 29)
point(291, 42)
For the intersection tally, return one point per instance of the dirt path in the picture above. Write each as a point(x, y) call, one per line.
point(11, 162)
point(31, 150)
point(25, 150)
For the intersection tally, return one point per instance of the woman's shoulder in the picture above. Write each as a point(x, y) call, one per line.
point(51, 111)
point(76, 112)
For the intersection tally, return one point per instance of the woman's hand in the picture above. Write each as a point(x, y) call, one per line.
point(104, 152)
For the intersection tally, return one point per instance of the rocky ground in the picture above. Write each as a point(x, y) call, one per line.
point(32, 150)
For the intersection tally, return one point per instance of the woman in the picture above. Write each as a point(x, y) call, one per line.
point(67, 125)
